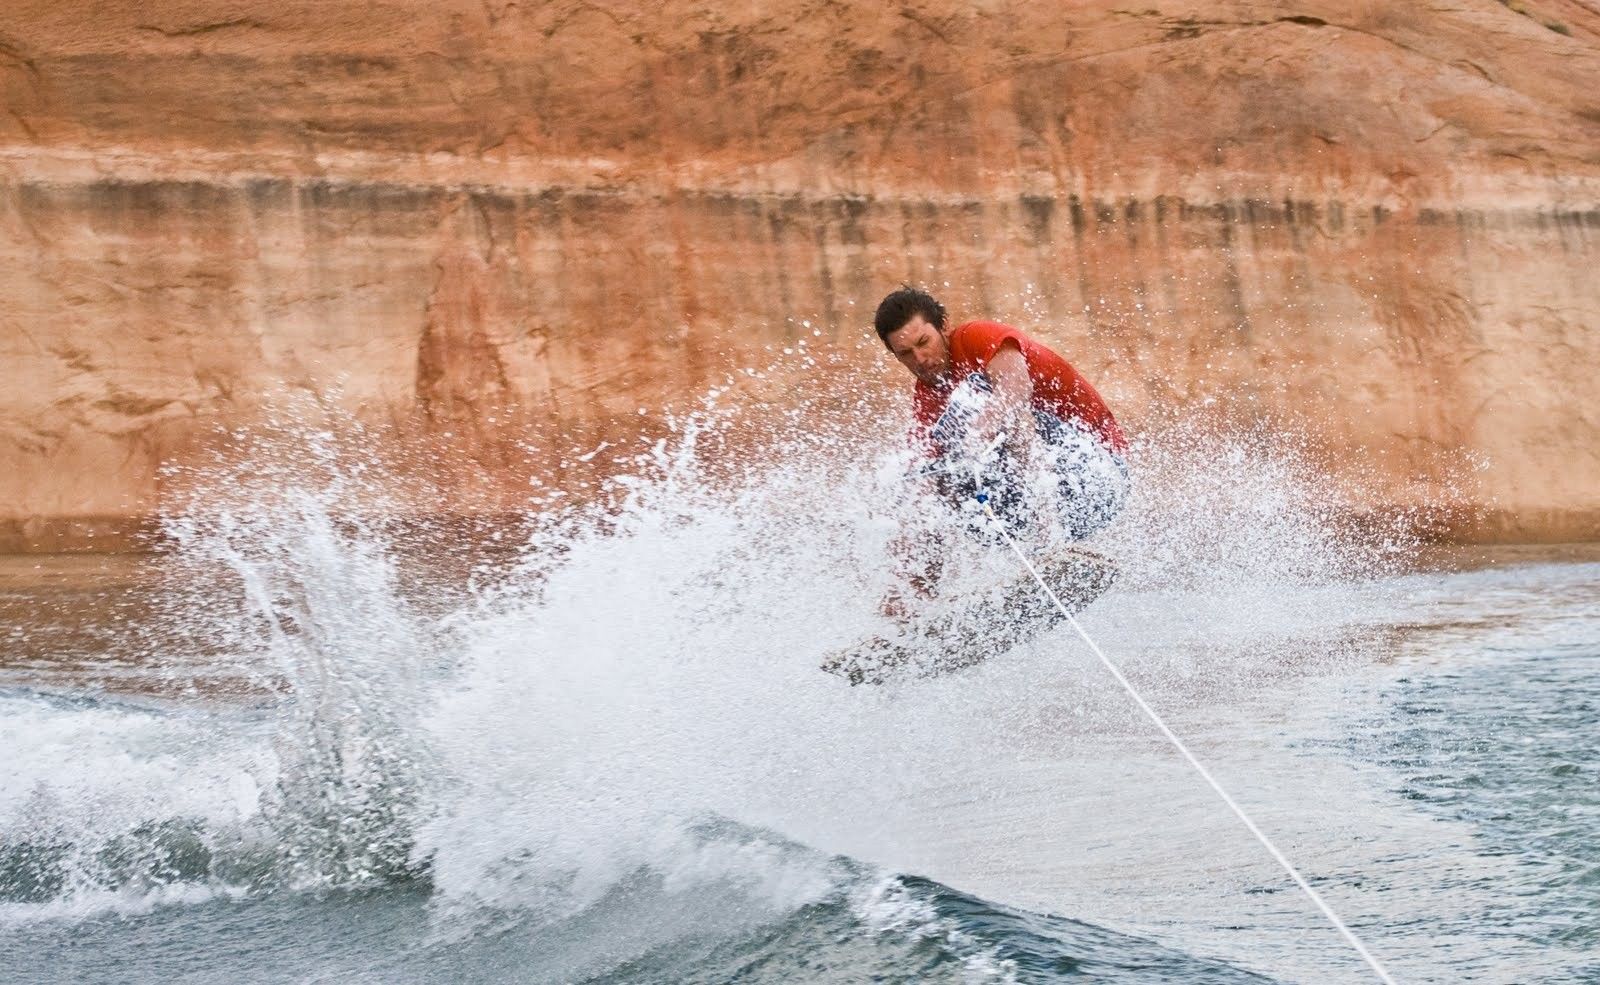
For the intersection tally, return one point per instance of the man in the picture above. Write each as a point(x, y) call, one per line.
point(1027, 412)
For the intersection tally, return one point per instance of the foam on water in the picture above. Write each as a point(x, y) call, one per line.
point(664, 668)
point(639, 696)
point(105, 806)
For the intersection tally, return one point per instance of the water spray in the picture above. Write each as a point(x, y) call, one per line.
point(1161, 725)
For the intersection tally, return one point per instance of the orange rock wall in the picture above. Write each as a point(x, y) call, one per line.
point(516, 225)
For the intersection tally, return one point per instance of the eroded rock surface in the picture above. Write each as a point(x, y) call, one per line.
point(518, 224)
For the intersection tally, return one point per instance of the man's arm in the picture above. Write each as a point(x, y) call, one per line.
point(1012, 411)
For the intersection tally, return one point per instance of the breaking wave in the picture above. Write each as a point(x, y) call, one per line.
point(627, 711)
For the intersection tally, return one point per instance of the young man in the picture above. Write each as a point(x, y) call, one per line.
point(1024, 410)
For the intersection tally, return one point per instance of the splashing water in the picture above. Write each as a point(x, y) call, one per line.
point(632, 710)
point(653, 661)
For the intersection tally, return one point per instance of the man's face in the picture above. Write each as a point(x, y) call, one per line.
point(921, 348)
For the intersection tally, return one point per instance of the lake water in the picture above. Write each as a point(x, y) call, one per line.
point(287, 749)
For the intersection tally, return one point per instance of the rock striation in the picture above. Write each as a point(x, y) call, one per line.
point(513, 225)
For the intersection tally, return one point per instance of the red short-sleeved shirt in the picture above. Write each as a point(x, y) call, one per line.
point(1057, 387)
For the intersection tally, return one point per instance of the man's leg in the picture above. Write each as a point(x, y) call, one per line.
point(1092, 481)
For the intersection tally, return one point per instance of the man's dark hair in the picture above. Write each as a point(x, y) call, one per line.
point(903, 305)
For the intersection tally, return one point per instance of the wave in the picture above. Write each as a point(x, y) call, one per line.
point(839, 921)
point(532, 751)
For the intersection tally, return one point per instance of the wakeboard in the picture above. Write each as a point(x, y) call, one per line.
point(958, 636)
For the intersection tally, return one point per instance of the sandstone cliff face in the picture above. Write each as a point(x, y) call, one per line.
point(518, 224)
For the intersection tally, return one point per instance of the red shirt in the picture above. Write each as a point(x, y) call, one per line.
point(1057, 387)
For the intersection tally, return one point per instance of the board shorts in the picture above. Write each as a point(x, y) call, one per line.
point(1073, 473)
point(1092, 480)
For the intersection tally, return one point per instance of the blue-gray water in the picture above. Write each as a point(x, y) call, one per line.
point(278, 753)
point(1445, 797)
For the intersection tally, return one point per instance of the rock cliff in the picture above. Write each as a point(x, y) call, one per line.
point(517, 224)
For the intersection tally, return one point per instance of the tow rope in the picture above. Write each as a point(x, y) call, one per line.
point(1205, 774)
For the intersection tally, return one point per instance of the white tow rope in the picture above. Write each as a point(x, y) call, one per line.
point(1327, 911)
